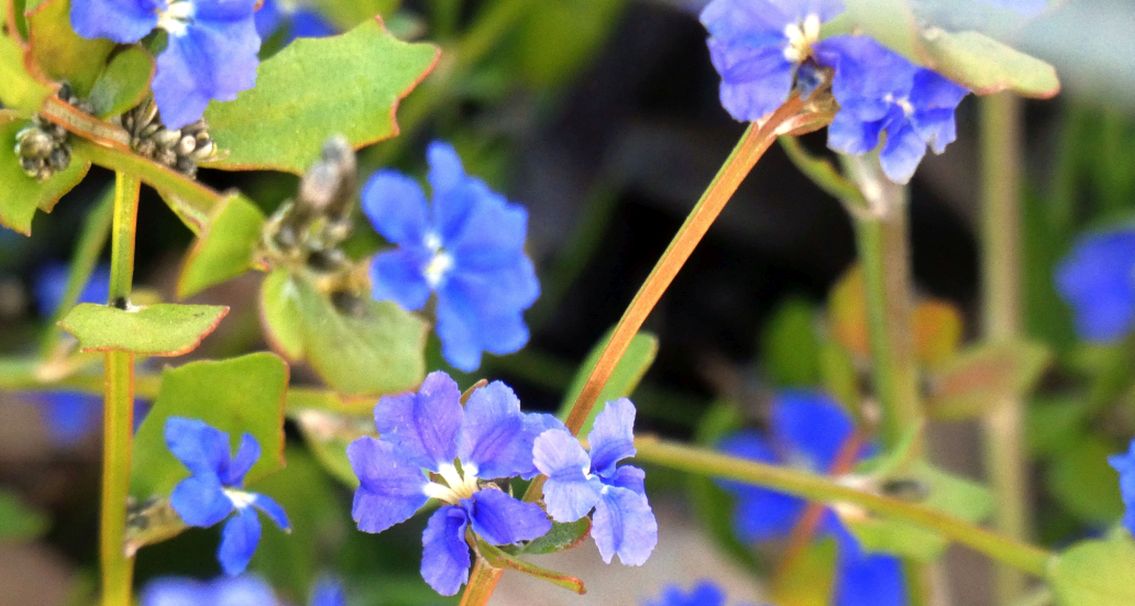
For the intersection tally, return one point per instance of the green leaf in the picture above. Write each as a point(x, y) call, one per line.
point(374, 348)
point(165, 329)
point(18, 522)
point(124, 82)
point(226, 247)
point(346, 15)
point(497, 558)
point(23, 195)
point(240, 395)
point(316, 88)
point(628, 372)
point(280, 316)
point(1054, 423)
point(969, 58)
point(563, 535)
point(944, 492)
point(20, 91)
point(60, 53)
point(555, 42)
point(1095, 573)
point(1083, 483)
point(985, 376)
point(789, 347)
point(328, 434)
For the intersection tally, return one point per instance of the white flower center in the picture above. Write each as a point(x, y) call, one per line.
point(440, 264)
point(239, 498)
point(456, 484)
point(801, 36)
point(176, 17)
point(902, 102)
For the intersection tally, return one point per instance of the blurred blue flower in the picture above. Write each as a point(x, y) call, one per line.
point(246, 590)
point(297, 20)
point(623, 523)
point(213, 491)
point(211, 51)
point(69, 416)
point(704, 593)
point(1125, 465)
point(328, 591)
point(757, 46)
point(880, 92)
point(51, 285)
point(467, 246)
point(810, 430)
point(1097, 279)
point(458, 446)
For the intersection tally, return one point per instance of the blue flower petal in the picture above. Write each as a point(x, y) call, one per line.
point(123, 21)
point(870, 580)
point(753, 85)
point(493, 436)
point(760, 514)
point(629, 477)
point(445, 555)
point(1125, 465)
point(239, 538)
point(200, 500)
point(1098, 280)
point(328, 592)
point(246, 456)
point(742, 19)
point(308, 23)
point(201, 448)
point(902, 153)
point(396, 275)
point(624, 525)
point(272, 509)
point(396, 207)
point(811, 424)
point(69, 416)
point(390, 487)
point(472, 319)
point(446, 173)
point(51, 285)
point(704, 594)
point(492, 234)
point(612, 436)
point(568, 494)
point(269, 18)
point(425, 424)
point(503, 520)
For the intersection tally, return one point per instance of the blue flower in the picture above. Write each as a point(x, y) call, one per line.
point(467, 246)
point(810, 430)
point(295, 19)
point(704, 593)
point(247, 590)
point(213, 491)
point(458, 447)
point(210, 54)
point(328, 592)
point(757, 46)
point(69, 416)
point(881, 92)
point(1125, 465)
point(1098, 280)
point(623, 523)
point(51, 285)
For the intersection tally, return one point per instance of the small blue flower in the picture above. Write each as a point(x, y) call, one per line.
point(1097, 279)
point(704, 593)
point(213, 491)
point(69, 416)
point(328, 591)
point(810, 430)
point(757, 46)
point(297, 20)
point(246, 590)
point(458, 446)
point(623, 523)
point(467, 245)
point(1125, 465)
point(211, 52)
point(881, 92)
point(51, 285)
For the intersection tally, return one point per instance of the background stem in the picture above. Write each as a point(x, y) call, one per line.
point(1001, 313)
point(118, 406)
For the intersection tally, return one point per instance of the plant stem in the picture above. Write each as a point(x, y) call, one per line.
point(881, 236)
point(118, 414)
point(806, 485)
point(1001, 313)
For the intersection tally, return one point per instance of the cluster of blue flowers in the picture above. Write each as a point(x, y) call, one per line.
point(211, 50)
point(811, 430)
point(246, 590)
point(763, 49)
point(704, 593)
point(432, 447)
point(466, 246)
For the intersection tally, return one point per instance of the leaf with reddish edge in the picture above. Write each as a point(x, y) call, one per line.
point(985, 376)
point(59, 53)
point(282, 123)
point(497, 558)
point(164, 330)
point(23, 195)
point(226, 247)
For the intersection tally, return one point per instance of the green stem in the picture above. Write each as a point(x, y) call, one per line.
point(118, 416)
point(1001, 313)
point(806, 485)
